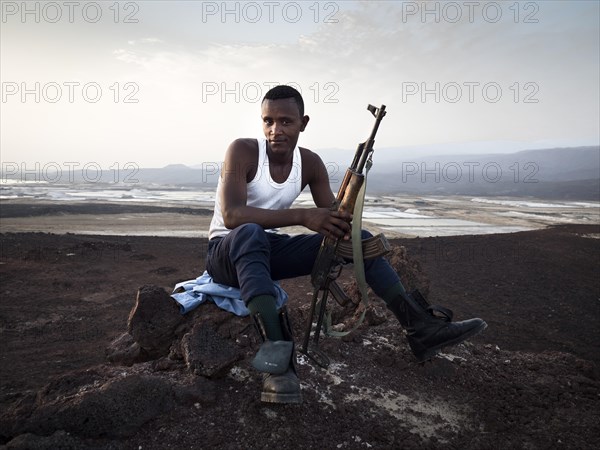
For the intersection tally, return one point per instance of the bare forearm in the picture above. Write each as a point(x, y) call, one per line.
point(321, 220)
point(267, 218)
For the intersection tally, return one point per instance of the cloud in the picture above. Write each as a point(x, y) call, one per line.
point(197, 80)
point(146, 41)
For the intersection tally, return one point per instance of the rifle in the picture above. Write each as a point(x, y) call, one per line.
point(334, 251)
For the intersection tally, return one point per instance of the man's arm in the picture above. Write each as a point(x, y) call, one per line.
point(325, 221)
point(238, 168)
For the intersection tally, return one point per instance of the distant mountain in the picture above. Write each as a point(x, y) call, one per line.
point(175, 175)
point(560, 173)
point(557, 173)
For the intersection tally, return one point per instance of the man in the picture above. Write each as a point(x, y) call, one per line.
point(259, 181)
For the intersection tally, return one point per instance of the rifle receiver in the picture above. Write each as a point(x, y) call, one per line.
point(366, 148)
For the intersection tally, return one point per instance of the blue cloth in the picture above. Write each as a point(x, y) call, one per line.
point(192, 293)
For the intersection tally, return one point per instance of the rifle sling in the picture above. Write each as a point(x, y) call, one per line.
point(358, 258)
point(372, 247)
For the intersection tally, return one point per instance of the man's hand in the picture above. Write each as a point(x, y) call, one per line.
point(332, 224)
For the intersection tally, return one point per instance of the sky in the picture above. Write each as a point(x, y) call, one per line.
point(153, 83)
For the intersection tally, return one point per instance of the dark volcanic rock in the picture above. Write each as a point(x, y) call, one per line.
point(207, 353)
point(116, 409)
point(124, 350)
point(523, 383)
point(13, 417)
point(412, 276)
point(198, 390)
point(409, 270)
point(59, 440)
point(153, 320)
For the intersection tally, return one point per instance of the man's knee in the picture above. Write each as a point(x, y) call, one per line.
point(250, 232)
point(248, 238)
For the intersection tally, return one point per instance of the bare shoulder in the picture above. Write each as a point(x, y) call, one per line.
point(241, 159)
point(309, 158)
point(242, 151)
point(313, 168)
point(243, 148)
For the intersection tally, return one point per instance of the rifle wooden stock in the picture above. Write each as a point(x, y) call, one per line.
point(327, 258)
point(351, 191)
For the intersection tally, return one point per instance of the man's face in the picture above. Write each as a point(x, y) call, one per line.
point(282, 124)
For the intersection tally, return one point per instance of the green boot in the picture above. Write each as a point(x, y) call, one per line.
point(277, 360)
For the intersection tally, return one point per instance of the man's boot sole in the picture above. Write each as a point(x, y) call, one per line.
point(272, 397)
point(432, 351)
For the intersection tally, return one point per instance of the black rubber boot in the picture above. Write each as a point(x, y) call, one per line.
point(427, 333)
point(277, 359)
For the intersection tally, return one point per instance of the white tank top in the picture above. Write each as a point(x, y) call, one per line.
point(263, 192)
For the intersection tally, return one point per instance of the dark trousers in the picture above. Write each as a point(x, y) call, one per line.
point(249, 258)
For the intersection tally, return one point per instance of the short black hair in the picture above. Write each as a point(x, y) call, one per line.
point(283, 91)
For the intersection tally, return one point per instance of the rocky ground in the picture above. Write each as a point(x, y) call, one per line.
point(531, 380)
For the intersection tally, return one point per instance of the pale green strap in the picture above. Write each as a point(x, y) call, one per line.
point(357, 256)
point(357, 248)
